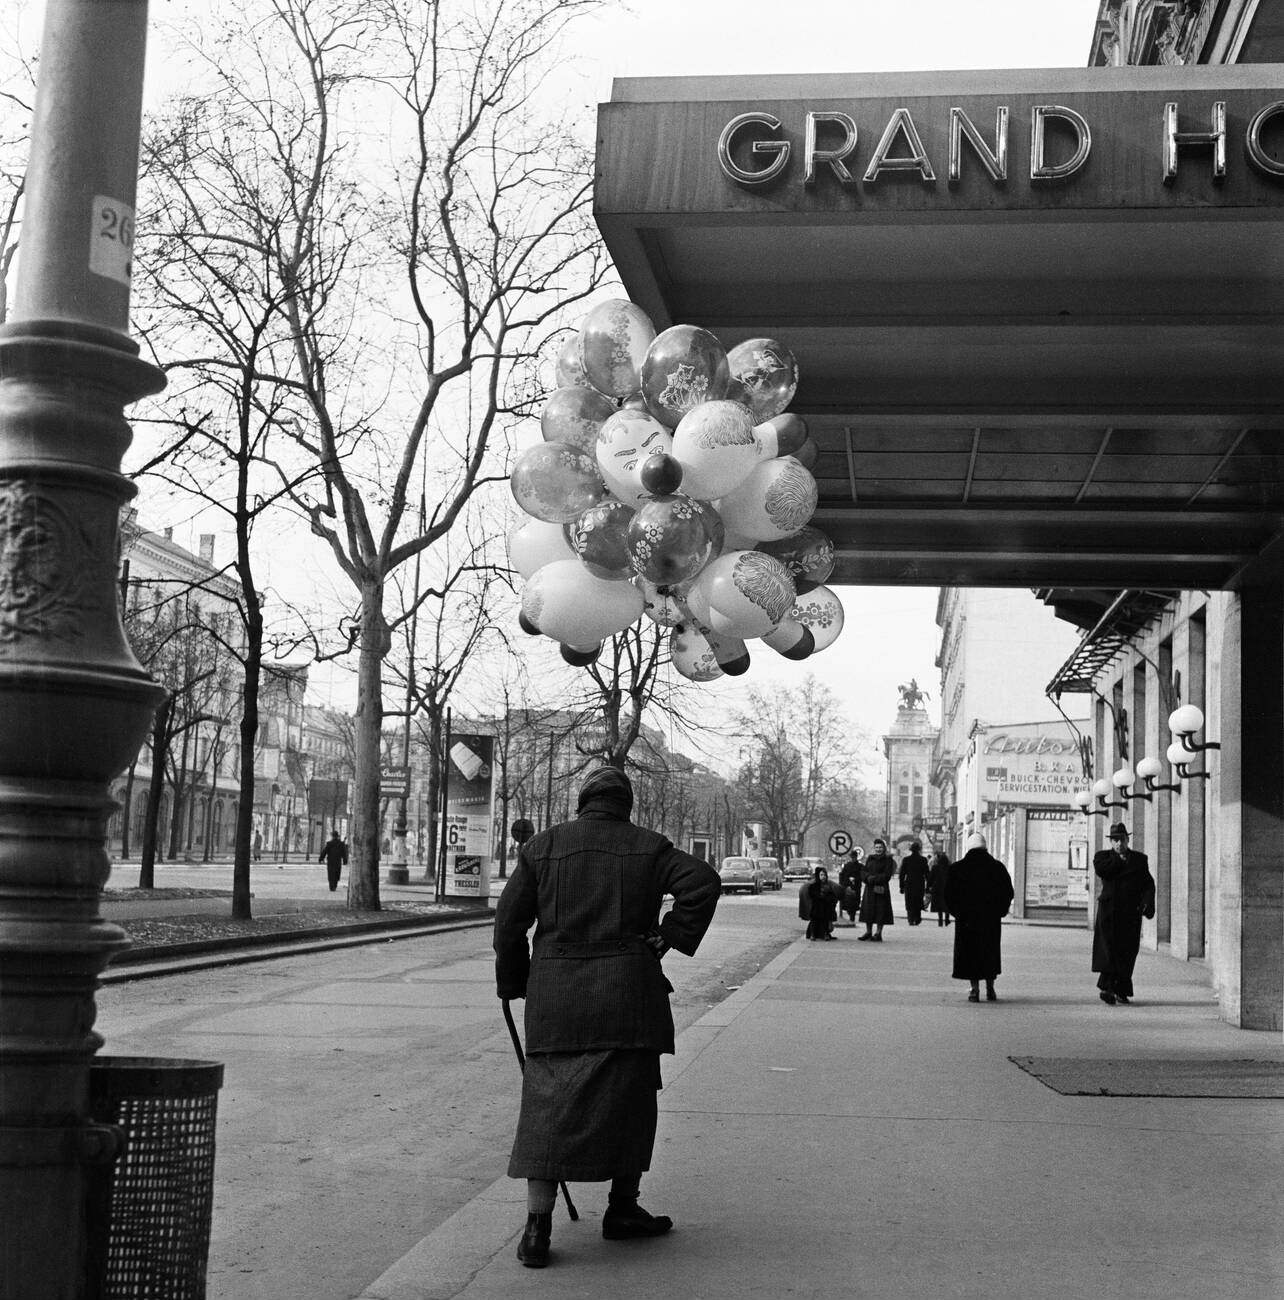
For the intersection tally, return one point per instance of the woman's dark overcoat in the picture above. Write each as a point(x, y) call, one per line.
point(937, 875)
point(914, 884)
point(876, 873)
point(849, 887)
point(1127, 894)
point(597, 1000)
point(978, 893)
point(822, 908)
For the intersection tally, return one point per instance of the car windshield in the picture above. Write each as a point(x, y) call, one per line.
point(737, 864)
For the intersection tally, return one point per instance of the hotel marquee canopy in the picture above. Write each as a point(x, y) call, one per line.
point(1039, 315)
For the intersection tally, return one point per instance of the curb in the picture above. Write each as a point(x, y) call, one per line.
point(148, 963)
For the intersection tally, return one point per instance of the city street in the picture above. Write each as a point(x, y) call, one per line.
point(369, 1093)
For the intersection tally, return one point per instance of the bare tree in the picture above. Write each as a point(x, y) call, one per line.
point(429, 227)
point(17, 98)
point(799, 748)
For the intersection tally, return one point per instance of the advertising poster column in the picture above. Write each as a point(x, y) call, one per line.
point(470, 797)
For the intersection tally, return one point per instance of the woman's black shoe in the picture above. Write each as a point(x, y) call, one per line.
point(974, 996)
point(1108, 998)
point(532, 1250)
point(622, 1222)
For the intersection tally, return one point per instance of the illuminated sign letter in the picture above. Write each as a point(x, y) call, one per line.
point(778, 147)
point(995, 161)
point(900, 123)
point(1173, 138)
point(1253, 141)
point(1040, 169)
point(834, 157)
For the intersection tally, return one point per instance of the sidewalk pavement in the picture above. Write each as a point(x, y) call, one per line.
point(847, 1124)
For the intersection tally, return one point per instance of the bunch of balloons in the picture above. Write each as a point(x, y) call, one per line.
point(672, 484)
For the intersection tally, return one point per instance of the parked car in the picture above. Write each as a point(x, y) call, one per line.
point(802, 868)
point(740, 873)
point(772, 876)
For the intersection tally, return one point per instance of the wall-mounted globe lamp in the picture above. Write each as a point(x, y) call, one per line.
point(1101, 788)
point(1184, 723)
point(1083, 801)
point(1123, 779)
point(1178, 757)
point(1149, 769)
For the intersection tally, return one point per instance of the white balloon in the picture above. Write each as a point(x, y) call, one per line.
point(624, 442)
point(718, 448)
point(776, 500)
point(536, 544)
point(822, 612)
point(749, 593)
point(566, 602)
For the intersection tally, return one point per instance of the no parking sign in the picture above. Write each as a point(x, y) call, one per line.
point(840, 842)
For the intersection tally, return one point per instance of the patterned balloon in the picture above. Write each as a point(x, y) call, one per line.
point(749, 593)
point(555, 482)
point(791, 639)
point(569, 604)
point(570, 369)
point(600, 537)
point(574, 415)
point(536, 544)
point(808, 555)
point(684, 366)
point(764, 373)
point(692, 656)
point(624, 443)
point(670, 539)
point(821, 611)
point(777, 499)
point(662, 606)
point(614, 339)
point(730, 652)
point(718, 449)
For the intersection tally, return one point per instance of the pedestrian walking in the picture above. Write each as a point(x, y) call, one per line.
point(978, 893)
point(876, 873)
point(822, 905)
point(913, 876)
point(597, 1001)
point(849, 883)
point(334, 855)
point(258, 846)
point(938, 873)
point(1127, 894)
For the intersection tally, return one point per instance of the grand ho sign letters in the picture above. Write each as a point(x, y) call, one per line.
point(753, 152)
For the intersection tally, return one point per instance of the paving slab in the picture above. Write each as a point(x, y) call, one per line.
point(847, 1124)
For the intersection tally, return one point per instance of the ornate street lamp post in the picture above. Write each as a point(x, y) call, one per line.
point(74, 703)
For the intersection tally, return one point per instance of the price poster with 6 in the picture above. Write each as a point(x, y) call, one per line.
point(470, 793)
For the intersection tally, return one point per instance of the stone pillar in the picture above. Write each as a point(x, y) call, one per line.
point(1249, 942)
point(74, 702)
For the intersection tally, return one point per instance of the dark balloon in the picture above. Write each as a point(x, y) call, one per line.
point(791, 433)
point(600, 538)
point(661, 474)
point(808, 454)
point(670, 539)
point(684, 366)
point(580, 658)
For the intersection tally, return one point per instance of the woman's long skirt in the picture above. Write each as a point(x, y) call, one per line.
point(586, 1116)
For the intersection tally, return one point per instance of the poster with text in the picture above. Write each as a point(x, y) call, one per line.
point(470, 801)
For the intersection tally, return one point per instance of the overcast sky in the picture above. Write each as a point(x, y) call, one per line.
point(890, 634)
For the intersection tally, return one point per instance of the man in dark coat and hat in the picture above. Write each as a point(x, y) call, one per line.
point(978, 893)
point(1127, 894)
point(597, 1001)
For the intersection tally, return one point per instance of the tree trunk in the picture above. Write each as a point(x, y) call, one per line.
point(129, 811)
point(433, 830)
point(155, 788)
point(363, 878)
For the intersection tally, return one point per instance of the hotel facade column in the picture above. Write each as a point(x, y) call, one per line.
point(74, 702)
point(1249, 910)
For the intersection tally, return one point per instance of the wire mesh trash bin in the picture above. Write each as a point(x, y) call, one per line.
point(149, 1211)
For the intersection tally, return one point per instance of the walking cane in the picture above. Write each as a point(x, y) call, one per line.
point(521, 1061)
